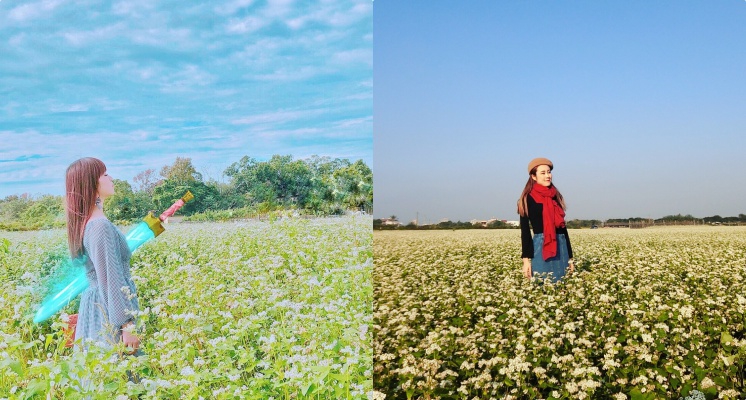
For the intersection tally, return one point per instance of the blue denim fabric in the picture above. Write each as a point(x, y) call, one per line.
point(556, 265)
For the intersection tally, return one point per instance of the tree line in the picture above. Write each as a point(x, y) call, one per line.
point(497, 224)
point(677, 219)
point(316, 186)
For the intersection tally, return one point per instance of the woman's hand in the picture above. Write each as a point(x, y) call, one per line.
point(130, 339)
point(570, 266)
point(527, 268)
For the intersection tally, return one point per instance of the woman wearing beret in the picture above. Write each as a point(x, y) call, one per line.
point(548, 252)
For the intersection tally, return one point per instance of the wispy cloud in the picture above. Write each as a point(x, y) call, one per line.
point(246, 25)
point(363, 55)
point(29, 11)
point(64, 108)
point(24, 158)
point(231, 7)
point(189, 78)
point(277, 116)
point(85, 37)
point(138, 83)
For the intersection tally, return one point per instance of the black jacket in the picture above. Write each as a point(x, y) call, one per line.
point(537, 222)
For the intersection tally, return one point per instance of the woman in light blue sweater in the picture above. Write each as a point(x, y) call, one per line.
point(108, 307)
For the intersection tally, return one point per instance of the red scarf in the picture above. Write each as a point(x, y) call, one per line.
point(553, 217)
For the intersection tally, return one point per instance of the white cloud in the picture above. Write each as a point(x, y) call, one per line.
point(17, 40)
point(246, 25)
point(186, 80)
point(278, 8)
point(121, 42)
point(147, 72)
point(233, 6)
point(331, 14)
point(277, 116)
point(29, 11)
point(58, 108)
point(106, 104)
point(364, 56)
point(133, 8)
point(162, 37)
point(79, 38)
point(285, 133)
point(291, 74)
point(347, 123)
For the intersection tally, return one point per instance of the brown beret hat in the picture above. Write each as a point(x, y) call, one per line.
point(539, 161)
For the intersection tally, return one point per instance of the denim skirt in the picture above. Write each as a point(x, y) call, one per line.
point(554, 267)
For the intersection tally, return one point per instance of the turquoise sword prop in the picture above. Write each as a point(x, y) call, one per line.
point(76, 282)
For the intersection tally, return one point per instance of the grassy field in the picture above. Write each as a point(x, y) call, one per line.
point(251, 310)
point(649, 313)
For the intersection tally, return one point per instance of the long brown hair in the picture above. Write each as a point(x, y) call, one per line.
point(523, 205)
point(81, 185)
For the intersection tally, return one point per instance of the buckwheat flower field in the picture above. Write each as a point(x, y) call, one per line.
point(655, 313)
point(277, 309)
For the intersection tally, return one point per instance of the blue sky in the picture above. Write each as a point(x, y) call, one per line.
point(138, 83)
point(640, 105)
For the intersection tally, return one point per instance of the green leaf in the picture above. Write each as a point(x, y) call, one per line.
point(322, 370)
point(15, 366)
point(34, 387)
point(686, 389)
point(719, 380)
point(726, 338)
point(307, 389)
point(636, 394)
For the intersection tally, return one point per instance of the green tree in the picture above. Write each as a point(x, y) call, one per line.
point(13, 206)
point(277, 181)
point(127, 205)
point(181, 172)
point(354, 184)
point(45, 212)
point(205, 197)
point(146, 181)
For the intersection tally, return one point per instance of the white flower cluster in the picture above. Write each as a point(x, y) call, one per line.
point(266, 309)
point(459, 297)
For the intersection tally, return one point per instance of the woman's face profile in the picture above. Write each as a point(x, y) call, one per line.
point(543, 175)
point(105, 186)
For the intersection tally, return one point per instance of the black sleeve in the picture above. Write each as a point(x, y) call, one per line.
point(569, 247)
point(527, 240)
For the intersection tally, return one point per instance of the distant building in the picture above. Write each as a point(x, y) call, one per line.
point(390, 222)
point(483, 223)
point(513, 223)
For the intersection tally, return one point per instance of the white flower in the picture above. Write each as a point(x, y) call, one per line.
point(707, 383)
